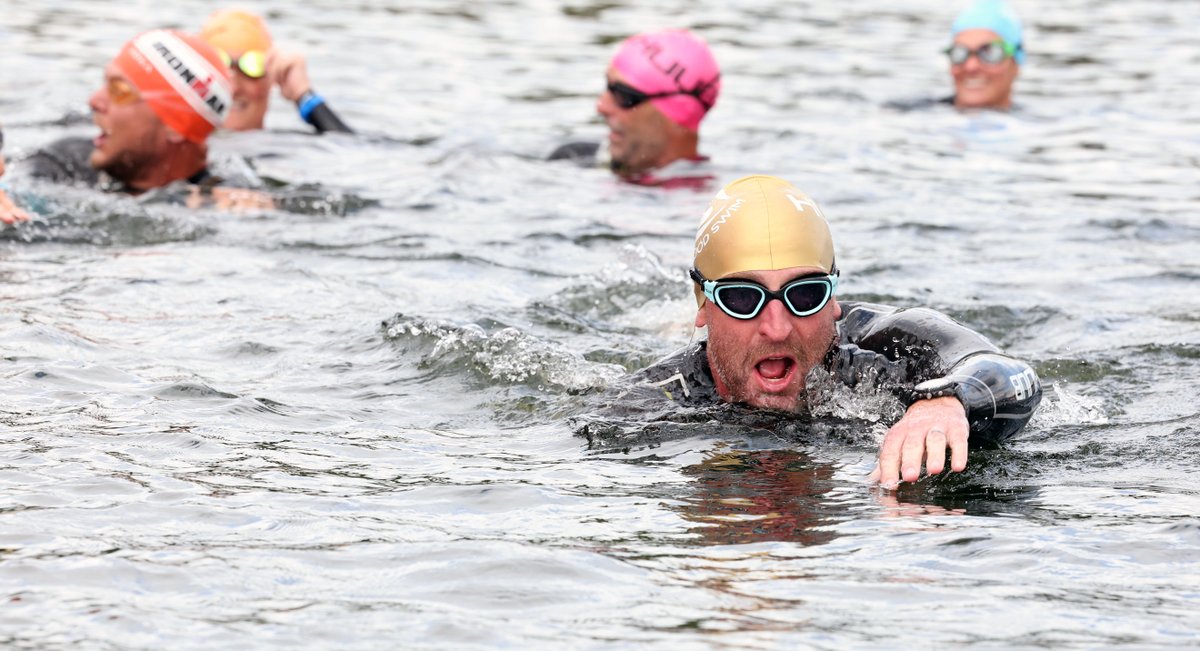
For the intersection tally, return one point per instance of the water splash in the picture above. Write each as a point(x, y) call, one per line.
point(82, 216)
point(634, 292)
point(828, 396)
point(1063, 406)
point(505, 355)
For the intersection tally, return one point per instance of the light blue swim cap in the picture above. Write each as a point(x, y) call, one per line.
point(994, 15)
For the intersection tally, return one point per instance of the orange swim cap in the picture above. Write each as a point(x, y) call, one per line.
point(761, 223)
point(181, 78)
point(236, 31)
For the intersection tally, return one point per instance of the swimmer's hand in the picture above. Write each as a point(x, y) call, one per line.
point(229, 199)
point(290, 72)
point(922, 435)
point(9, 212)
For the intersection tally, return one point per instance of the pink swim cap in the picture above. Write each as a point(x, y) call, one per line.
point(672, 61)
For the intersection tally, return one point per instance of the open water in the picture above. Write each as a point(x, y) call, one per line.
point(353, 423)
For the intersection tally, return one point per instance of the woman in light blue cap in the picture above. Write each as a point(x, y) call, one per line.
point(985, 55)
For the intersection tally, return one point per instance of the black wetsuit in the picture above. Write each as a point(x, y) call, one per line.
point(315, 110)
point(66, 161)
point(584, 154)
point(922, 104)
point(894, 349)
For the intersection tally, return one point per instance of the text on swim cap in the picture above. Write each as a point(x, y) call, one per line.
point(202, 87)
point(675, 71)
point(800, 203)
point(713, 219)
point(191, 76)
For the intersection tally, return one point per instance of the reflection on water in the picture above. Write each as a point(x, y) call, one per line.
point(740, 497)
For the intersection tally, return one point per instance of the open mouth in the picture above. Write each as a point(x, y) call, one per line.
point(100, 139)
point(775, 373)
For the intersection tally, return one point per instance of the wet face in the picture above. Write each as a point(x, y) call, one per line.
point(637, 137)
point(978, 84)
point(131, 135)
point(763, 361)
point(251, 98)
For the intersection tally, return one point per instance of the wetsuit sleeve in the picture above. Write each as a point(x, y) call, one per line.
point(999, 393)
point(315, 110)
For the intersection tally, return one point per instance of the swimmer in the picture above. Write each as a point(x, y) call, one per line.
point(9, 212)
point(163, 95)
point(766, 280)
point(985, 55)
point(255, 65)
point(658, 88)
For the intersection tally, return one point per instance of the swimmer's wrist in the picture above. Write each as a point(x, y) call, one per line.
point(307, 103)
point(942, 387)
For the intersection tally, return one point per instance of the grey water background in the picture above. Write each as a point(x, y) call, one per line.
point(349, 426)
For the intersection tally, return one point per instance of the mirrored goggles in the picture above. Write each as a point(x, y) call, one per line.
point(120, 91)
point(627, 96)
point(992, 53)
point(252, 63)
point(742, 299)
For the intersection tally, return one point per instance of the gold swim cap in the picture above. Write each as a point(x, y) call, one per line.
point(236, 32)
point(761, 223)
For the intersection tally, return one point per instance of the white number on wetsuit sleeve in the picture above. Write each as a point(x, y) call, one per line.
point(1024, 383)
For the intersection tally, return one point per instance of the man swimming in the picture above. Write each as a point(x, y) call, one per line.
point(255, 65)
point(658, 88)
point(163, 95)
point(765, 280)
point(985, 54)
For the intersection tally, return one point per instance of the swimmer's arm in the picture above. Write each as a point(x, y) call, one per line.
point(998, 391)
point(988, 398)
point(927, 340)
point(1000, 394)
point(234, 200)
point(322, 117)
point(9, 212)
point(290, 72)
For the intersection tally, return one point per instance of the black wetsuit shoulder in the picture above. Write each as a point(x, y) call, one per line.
point(683, 376)
point(63, 161)
point(894, 349)
point(928, 342)
point(66, 161)
point(921, 104)
point(582, 153)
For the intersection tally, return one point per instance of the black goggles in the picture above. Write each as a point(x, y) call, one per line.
point(743, 299)
point(1, 139)
point(993, 53)
point(628, 97)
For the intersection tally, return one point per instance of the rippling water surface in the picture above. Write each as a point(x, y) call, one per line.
point(354, 424)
